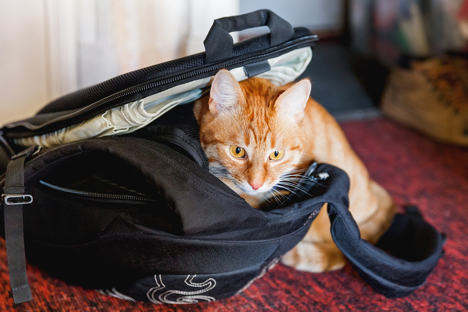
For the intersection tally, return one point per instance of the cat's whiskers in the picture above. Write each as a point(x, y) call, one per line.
point(268, 196)
point(306, 179)
point(279, 197)
point(291, 190)
point(290, 181)
point(276, 195)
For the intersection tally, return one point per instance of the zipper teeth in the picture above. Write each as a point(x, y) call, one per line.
point(98, 195)
point(148, 85)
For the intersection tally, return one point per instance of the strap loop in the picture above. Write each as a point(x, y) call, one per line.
point(16, 199)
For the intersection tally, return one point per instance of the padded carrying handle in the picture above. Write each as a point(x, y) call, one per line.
point(219, 44)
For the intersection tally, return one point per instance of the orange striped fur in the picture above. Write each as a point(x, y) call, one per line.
point(262, 118)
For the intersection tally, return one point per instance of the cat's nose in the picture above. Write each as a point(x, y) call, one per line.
point(256, 184)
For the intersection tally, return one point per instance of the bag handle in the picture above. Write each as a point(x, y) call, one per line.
point(219, 43)
point(415, 247)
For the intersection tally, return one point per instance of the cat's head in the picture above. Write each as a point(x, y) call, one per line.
point(251, 131)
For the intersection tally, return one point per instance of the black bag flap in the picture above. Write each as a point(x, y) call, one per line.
point(189, 189)
point(89, 102)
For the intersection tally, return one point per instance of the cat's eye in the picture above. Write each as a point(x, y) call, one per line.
point(277, 155)
point(237, 151)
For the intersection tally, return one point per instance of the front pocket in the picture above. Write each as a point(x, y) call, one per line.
point(88, 196)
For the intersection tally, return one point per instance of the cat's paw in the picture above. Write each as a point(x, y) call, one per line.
point(313, 257)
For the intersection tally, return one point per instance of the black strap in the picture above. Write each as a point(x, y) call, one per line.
point(414, 245)
point(14, 198)
point(219, 44)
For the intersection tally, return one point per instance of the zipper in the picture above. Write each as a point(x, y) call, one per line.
point(153, 84)
point(99, 195)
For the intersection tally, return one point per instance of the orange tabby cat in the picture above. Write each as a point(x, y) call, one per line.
point(257, 135)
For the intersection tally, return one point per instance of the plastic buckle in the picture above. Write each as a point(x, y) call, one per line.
point(17, 199)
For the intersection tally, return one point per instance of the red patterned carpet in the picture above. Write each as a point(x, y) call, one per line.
point(414, 169)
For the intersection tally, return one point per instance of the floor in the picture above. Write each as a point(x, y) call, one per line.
point(413, 168)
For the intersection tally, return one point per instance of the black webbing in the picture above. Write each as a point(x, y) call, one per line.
point(414, 248)
point(219, 43)
point(14, 236)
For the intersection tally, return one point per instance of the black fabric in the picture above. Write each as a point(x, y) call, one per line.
point(86, 96)
point(223, 285)
point(101, 242)
point(256, 68)
point(13, 225)
point(78, 107)
point(219, 43)
point(181, 117)
point(5, 154)
point(177, 129)
point(415, 244)
point(141, 214)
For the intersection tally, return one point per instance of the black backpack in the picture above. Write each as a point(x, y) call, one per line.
point(139, 216)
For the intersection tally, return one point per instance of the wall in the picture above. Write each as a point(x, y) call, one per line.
point(313, 14)
point(23, 61)
point(53, 47)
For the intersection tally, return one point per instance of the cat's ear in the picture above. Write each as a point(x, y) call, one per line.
point(225, 94)
point(291, 103)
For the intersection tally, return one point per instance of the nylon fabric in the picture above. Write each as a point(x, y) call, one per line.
point(124, 241)
point(219, 44)
point(14, 236)
point(5, 154)
point(136, 115)
point(416, 246)
point(86, 96)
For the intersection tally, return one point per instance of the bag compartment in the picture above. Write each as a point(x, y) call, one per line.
point(86, 193)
